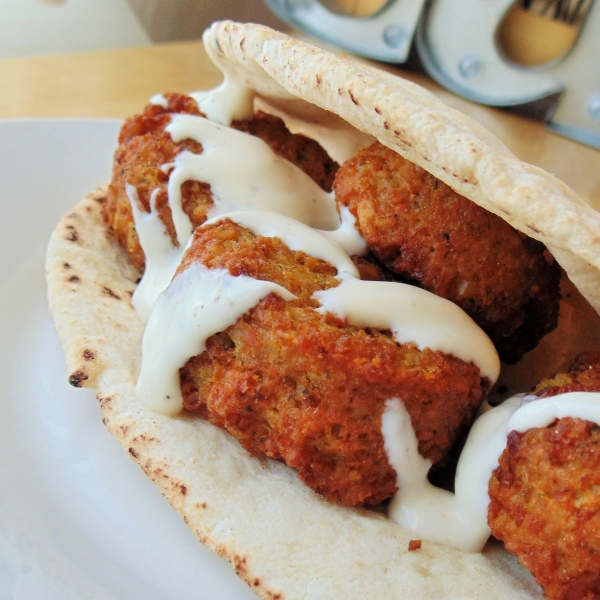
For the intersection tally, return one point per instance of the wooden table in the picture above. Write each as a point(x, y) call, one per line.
point(117, 83)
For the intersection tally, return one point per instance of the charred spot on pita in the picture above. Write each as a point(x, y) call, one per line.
point(108, 292)
point(76, 378)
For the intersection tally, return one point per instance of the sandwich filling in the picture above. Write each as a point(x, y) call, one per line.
point(285, 203)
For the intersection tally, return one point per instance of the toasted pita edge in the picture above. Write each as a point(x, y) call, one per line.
point(311, 82)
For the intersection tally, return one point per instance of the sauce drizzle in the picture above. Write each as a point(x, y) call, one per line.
point(273, 198)
point(460, 520)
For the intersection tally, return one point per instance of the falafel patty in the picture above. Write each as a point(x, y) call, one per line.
point(308, 389)
point(426, 233)
point(144, 147)
point(545, 498)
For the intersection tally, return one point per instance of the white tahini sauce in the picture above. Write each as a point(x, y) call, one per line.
point(295, 236)
point(346, 235)
point(405, 310)
point(231, 101)
point(540, 413)
point(199, 303)
point(244, 174)
point(162, 258)
point(338, 138)
point(460, 520)
point(159, 100)
point(413, 315)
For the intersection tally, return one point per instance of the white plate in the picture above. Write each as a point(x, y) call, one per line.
point(78, 519)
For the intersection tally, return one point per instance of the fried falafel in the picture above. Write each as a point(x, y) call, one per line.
point(145, 147)
point(424, 232)
point(544, 498)
point(308, 389)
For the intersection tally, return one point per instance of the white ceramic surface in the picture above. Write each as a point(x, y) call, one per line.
point(78, 519)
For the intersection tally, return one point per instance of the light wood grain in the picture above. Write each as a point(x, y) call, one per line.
point(113, 83)
point(118, 83)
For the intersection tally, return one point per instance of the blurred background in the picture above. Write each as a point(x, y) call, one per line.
point(40, 27)
point(37, 27)
point(538, 57)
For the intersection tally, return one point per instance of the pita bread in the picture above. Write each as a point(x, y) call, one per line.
point(303, 80)
point(282, 538)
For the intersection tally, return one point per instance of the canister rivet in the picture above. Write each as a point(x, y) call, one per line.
point(470, 66)
point(295, 5)
point(593, 107)
point(394, 36)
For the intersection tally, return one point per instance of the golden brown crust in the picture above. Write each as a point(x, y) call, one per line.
point(145, 146)
point(308, 389)
point(227, 245)
point(545, 506)
point(370, 269)
point(424, 231)
point(544, 498)
point(583, 376)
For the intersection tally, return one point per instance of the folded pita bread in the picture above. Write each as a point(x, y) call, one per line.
point(282, 538)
